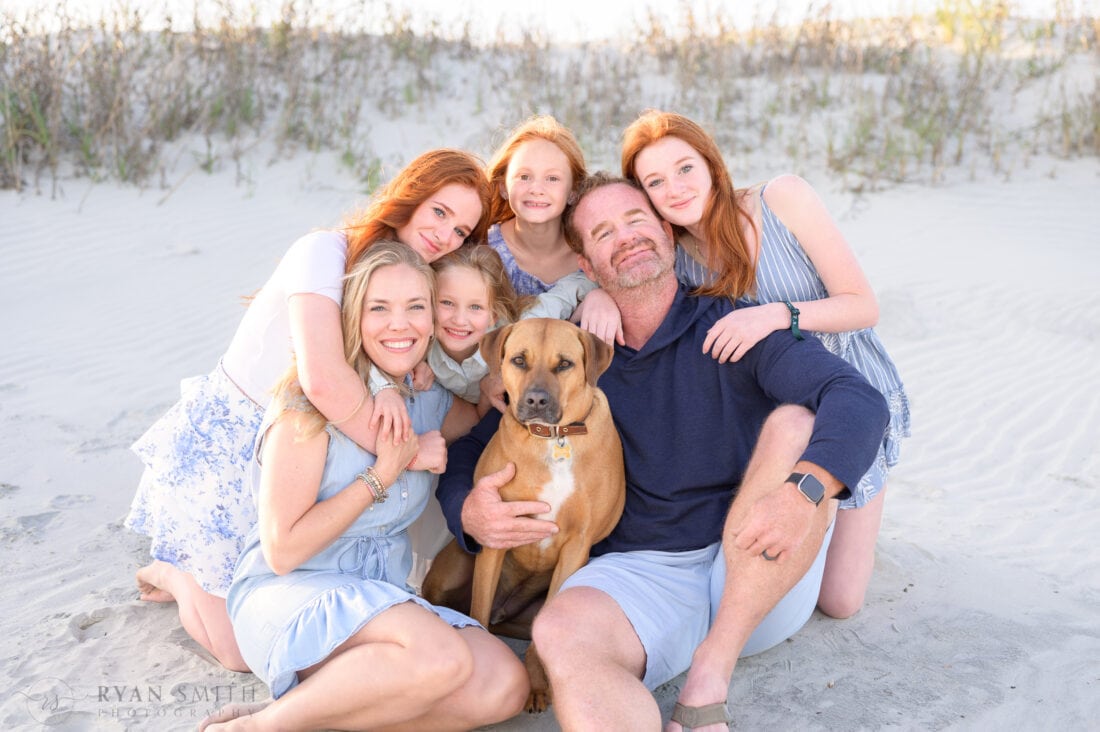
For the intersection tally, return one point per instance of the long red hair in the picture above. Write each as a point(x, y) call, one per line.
point(723, 217)
point(538, 127)
point(394, 204)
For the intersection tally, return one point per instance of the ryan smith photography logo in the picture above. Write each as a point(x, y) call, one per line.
point(52, 701)
point(49, 701)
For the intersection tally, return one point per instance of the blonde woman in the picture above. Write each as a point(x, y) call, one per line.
point(319, 600)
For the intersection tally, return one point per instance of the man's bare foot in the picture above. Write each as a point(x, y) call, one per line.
point(147, 578)
point(232, 716)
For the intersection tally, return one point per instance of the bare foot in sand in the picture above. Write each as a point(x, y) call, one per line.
point(147, 578)
point(232, 716)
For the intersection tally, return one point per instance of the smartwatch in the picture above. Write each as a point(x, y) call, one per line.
point(808, 486)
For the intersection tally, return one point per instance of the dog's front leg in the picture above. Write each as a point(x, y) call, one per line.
point(487, 568)
point(573, 556)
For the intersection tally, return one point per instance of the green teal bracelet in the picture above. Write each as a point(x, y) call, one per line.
point(794, 320)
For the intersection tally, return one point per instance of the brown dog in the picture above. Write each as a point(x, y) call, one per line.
point(558, 432)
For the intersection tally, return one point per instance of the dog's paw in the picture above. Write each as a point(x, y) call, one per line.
point(538, 701)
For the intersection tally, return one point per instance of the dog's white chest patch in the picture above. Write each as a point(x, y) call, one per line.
point(560, 486)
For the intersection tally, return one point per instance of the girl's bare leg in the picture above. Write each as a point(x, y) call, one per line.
point(851, 558)
point(202, 614)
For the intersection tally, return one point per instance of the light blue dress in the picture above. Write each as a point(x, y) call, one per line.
point(784, 272)
point(287, 623)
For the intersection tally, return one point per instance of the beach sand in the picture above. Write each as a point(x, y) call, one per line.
point(984, 610)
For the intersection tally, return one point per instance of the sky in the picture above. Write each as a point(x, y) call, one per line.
point(560, 20)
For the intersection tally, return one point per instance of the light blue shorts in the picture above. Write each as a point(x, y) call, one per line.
point(670, 599)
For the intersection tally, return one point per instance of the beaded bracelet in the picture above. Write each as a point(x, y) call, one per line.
point(374, 484)
point(375, 390)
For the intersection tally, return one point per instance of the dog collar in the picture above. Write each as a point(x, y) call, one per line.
point(553, 430)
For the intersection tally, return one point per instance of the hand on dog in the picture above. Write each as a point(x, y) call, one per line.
point(500, 524)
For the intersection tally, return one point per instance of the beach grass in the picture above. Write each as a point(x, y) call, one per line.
point(970, 87)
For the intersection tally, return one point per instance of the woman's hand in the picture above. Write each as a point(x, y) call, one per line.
point(734, 334)
point(390, 416)
point(394, 456)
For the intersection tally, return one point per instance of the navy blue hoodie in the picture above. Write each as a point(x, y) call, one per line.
point(688, 426)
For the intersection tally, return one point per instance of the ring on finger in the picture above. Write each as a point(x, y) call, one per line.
point(769, 557)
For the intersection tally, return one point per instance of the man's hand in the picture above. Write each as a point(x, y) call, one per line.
point(777, 524)
point(500, 524)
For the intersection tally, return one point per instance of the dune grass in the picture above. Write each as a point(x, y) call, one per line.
point(969, 87)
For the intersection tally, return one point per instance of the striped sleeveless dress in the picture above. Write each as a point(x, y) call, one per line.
point(785, 272)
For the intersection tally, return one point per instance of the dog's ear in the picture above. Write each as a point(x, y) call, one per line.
point(492, 347)
point(597, 356)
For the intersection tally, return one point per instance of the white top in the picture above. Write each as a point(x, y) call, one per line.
point(461, 379)
point(261, 349)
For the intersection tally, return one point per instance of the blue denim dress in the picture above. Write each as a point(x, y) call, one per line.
point(287, 623)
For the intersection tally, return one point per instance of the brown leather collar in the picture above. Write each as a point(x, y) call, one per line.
point(553, 430)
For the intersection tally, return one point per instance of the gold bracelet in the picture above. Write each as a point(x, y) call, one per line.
point(374, 484)
point(355, 411)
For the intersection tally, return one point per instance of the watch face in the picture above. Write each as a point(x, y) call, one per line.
point(812, 488)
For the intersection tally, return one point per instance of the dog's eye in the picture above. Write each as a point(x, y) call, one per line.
point(519, 362)
point(563, 365)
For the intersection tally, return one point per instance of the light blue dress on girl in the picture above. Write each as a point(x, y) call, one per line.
point(784, 272)
point(287, 623)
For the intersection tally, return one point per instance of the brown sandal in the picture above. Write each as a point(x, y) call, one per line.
point(692, 717)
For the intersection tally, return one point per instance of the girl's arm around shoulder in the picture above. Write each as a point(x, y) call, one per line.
point(329, 383)
point(851, 304)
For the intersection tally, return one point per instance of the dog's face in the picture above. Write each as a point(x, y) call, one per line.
point(548, 367)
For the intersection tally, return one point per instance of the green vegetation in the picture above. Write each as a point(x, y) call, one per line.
point(878, 102)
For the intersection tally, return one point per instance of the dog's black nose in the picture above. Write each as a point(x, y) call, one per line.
point(536, 399)
point(538, 404)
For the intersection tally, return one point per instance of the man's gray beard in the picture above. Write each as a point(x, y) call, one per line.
point(638, 278)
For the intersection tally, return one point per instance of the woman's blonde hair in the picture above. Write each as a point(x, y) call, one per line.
point(538, 127)
point(503, 300)
point(723, 218)
point(382, 254)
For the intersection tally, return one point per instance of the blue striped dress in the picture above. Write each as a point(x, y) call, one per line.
point(784, 272)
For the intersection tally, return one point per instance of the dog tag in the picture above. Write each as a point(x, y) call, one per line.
point(562, 450)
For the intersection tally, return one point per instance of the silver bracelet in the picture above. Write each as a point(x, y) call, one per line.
point(374, 390)
point(374, 484)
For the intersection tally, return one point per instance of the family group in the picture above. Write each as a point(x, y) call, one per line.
point(284, 493)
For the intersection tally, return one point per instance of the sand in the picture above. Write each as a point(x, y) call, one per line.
point(983, 610)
